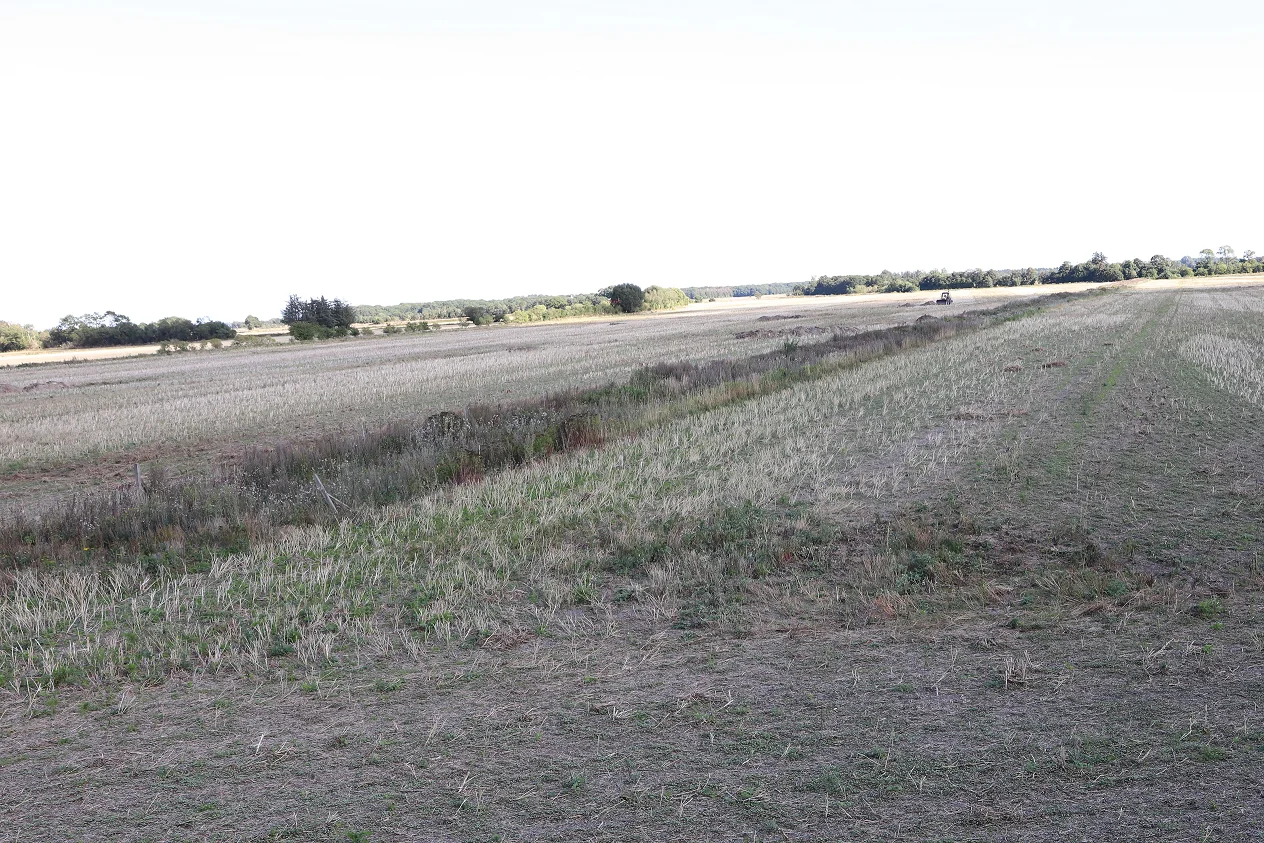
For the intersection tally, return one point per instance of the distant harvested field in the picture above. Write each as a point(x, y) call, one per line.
point(67, 425)
point(73, 355)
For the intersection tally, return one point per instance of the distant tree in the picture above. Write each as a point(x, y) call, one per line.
point(478, 315)
point(252, 322)
point(1225, 253)
point(334, 316)
point(664, 298)
point(14, 337)
point(293, 311)
point(627, 298)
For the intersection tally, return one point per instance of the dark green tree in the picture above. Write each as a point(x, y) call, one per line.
point(627, 297)
point(333, 314)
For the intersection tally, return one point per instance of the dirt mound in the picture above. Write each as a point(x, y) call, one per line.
point(928, 318)
point(773, 317)
point(45, 385)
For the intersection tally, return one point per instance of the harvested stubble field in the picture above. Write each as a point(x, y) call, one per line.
point(79, 424)
point(1003, 584)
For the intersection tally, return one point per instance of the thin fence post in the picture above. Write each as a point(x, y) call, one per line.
point(140, 487)
point(328, 498)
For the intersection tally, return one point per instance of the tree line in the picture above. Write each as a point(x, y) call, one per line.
point(743, 291)
point(1095, 270)
point(532, 308)
point(621, 298)
point(93, 330)
point(556, 306)
point(321, 317)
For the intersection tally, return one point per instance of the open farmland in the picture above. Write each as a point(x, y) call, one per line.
point(83, 424)
point(1001, 584)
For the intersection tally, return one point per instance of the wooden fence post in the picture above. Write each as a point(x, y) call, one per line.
point(328, 498)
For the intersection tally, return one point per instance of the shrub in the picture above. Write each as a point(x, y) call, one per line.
point(478, 315)
point(17, 337)
point(302, 331)
point(663, 298)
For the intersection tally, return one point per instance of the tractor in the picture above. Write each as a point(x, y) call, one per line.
point(944, 298)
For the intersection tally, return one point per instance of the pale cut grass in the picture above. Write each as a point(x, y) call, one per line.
point(1231, 364)
point(1231, 353)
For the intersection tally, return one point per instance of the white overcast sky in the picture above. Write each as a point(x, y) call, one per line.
point(209, 158)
